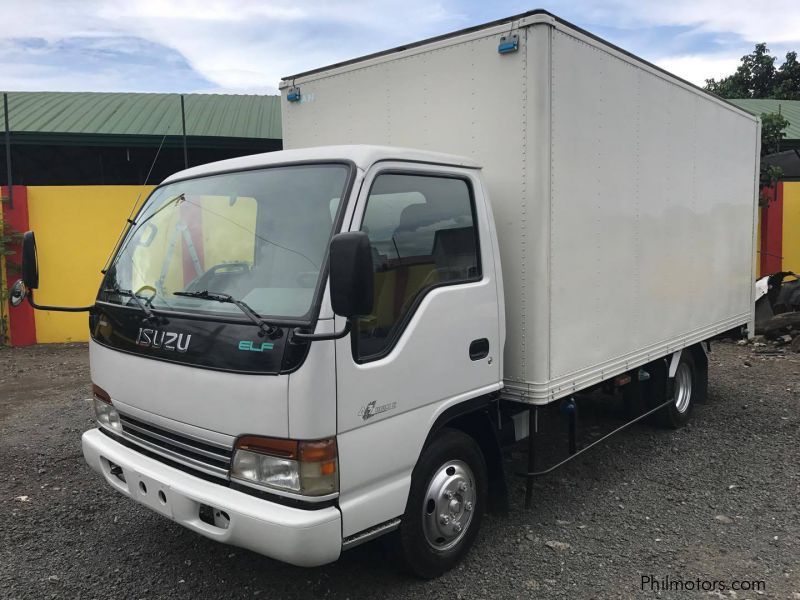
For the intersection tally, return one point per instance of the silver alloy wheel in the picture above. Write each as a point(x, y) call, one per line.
point(449, 505)
point(683, 387)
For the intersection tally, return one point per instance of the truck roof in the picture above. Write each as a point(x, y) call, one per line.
point(363, 155)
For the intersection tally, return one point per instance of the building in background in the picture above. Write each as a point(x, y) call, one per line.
point(779, 221)
point(79, 164)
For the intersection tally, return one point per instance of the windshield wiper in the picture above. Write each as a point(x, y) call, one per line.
point(266, 328)
point(143, 306)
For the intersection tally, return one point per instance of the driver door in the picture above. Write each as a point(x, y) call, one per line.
point(432, 340)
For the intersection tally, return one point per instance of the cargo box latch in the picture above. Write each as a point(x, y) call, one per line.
point(508, 43)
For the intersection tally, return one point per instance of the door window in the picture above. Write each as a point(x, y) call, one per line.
point(423, 235)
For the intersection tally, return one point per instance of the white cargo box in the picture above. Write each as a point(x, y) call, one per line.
point(624, 197)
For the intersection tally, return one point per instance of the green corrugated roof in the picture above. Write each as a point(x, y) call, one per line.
point(145, 114)
point(790, 109)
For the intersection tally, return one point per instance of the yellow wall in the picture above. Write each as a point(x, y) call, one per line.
point(791, 226)
point(226, 236)
point(77, 226)
point(76, 229)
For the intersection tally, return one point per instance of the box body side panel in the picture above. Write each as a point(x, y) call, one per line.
point(652, 211)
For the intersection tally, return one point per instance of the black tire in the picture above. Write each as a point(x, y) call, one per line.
point(681, 389)
point(421, 557)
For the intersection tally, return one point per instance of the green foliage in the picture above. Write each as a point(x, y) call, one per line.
point(787, 84)
point(757, 77)
point(9, 238)
point(772, 132)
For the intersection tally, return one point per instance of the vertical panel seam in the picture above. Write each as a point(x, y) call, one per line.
point(523, 208)
point(552, 205)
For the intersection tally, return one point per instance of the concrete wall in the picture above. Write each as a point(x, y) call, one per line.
point(790, 238)
point(779, 230)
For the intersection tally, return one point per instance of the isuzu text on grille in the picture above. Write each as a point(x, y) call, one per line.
point(168, 340)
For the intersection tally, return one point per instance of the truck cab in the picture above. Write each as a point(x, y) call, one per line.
point(283, 340)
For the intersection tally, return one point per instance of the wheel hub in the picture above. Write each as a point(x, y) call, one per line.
point(448, 506)
point(683, 387)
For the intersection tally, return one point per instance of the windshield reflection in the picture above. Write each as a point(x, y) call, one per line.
point(259, 237)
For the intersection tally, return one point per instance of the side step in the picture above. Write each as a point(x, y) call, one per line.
point(370, 534)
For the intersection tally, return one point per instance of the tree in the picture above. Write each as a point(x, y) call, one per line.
point(772, 132)
point(757, 77)
point(787, 79)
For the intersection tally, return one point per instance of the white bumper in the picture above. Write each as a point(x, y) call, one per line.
point(305, 538)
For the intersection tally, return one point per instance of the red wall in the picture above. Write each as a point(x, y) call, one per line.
point(22, 326)
point(772, 231)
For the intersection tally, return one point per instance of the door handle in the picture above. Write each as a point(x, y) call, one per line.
point(479, 349)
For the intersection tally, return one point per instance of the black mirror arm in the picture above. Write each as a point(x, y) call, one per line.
point(318, 337)
point(73, 309)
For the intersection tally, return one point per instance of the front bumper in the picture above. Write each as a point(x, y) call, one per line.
point(306, 538)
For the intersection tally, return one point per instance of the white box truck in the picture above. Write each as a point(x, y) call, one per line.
point(297, 352)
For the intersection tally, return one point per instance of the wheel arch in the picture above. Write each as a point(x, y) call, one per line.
point(700, 357)
point(477, 418)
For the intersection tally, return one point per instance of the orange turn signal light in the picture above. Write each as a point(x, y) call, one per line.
point(272, 446)
point(101, 394)
point(304, 451)
point(318, 451)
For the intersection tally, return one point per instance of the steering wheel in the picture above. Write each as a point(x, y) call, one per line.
point(203, 281)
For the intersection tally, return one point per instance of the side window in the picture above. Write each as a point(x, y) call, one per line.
point(422, 232)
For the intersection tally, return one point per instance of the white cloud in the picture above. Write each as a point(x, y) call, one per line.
point(777, 21)
point(241, 44)
point(735, 26)
point(238, 45)
point(247, 45)
point(697, 68)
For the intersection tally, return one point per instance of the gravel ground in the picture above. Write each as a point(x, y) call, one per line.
point(717, 500)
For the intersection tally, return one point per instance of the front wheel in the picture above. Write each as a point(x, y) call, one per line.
point(445, 504)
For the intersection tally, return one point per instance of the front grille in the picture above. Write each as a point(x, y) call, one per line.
point(204, 456)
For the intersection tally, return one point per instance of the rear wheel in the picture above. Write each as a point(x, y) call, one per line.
point(681, 391)
point(445, 504)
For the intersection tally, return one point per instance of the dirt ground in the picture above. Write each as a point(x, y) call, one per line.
point(718, 501)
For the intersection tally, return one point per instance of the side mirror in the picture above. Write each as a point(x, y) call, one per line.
point(23, 288)
point(30, 261)
point(352, 278)
point(18, 293)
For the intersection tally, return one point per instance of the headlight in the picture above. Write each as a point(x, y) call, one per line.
point(105, 413)
point(308, 468)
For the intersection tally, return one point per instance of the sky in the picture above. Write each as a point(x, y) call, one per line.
point(246, 46)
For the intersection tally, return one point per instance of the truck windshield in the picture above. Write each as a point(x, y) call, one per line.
point(258, 236)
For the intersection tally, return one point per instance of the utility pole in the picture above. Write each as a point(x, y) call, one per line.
point(183, 124)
